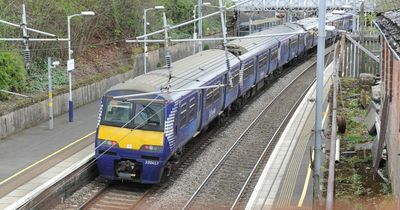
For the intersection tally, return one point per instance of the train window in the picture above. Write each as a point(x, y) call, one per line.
point(263, 60)
point(213, 94)
point(183, 114)
point(117, 113)
point(136, 115)
point(293, 44)
point(274, 54)
point(192, 106)
point(235, 78)
point(148, 116)
point(248, 69)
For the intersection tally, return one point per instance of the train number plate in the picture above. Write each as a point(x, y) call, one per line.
point(151, 162)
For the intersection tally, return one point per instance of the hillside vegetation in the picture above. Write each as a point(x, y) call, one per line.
point(95, 39)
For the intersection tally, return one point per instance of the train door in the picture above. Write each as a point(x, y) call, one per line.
point(262, 65)
point(293, 47)
point(182, 121)
point(284, 52)
point(188, 117)
point(274, 58)
point(231, 92)
point(199, 115)
point(212, 102)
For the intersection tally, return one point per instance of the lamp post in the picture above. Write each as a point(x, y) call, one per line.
point(71, 62)
point(145, 38)
point(200, 25)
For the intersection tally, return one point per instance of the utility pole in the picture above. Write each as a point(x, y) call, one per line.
point(361, 37)
point(228, 66)
point(330, 195)
point(27, 52)
point(200, 23)
point(194, 30)
point(319, 102)
point(49, 66)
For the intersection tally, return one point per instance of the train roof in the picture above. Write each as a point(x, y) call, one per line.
point(191, 72)
point(254, 44)
point(308, 23)
point(261, 21)
point(312, 22)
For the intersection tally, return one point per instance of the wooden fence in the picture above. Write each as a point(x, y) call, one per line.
point(357, 61)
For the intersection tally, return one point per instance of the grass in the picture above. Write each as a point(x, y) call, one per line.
point(356, 182)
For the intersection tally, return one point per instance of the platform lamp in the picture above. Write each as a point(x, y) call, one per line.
point(145, 31)
point(71, 62)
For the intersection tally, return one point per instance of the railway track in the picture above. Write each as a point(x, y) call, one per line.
point(117, 195)
point(231, 190)
point(225, 184)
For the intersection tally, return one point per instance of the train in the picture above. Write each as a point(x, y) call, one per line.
point(139, 137)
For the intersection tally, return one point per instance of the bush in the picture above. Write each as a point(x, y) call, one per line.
point(12, 73)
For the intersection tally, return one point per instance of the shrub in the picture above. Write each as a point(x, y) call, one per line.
point(12, 73)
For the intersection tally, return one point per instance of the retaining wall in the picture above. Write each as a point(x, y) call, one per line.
point(37, 113)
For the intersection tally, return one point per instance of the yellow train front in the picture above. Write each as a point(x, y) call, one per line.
point(130, 141)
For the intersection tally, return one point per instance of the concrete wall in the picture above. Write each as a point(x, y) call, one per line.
point(37, 113)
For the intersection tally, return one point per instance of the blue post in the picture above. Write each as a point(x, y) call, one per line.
point(71, 111)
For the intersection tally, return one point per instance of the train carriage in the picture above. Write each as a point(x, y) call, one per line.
point(311, 26)
point(157, 126)
point(138, 136)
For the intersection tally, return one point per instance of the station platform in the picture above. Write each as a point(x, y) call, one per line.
point(286, 180)
point(36, 158)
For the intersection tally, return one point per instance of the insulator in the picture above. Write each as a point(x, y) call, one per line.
point(168, 60)
point(27, 56)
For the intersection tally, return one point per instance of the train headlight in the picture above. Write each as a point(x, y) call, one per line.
point(151, 148)
point(109, 143)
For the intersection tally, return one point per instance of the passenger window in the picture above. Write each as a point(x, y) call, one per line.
point(293, 44)
point(274, 54)
point(192, 111)
point(235, 78)
point(262, 60)
point(248, 69)
point(213, 94)
point(183, 114)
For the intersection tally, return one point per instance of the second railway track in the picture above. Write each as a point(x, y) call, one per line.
point(174, 191)
point(225, 182)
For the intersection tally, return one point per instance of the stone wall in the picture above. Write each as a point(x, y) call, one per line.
point(37, 113)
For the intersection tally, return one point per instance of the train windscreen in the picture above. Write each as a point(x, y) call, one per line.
point(135, 115)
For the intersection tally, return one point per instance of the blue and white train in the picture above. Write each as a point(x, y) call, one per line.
point(137, 137)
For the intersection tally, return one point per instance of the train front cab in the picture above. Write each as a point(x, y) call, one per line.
point(138, 151)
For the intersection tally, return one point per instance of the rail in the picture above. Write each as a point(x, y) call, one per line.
point(221, 161)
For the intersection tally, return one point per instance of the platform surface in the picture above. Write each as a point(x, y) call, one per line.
point(34, 156)
point(286, 181)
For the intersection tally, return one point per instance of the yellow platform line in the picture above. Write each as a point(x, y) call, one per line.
point(303, 194)
point(46, 158)
point(305, 187)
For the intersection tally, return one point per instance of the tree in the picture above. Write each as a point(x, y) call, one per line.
point(12, 72)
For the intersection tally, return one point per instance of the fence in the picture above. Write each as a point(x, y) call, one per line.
point(357, 61)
